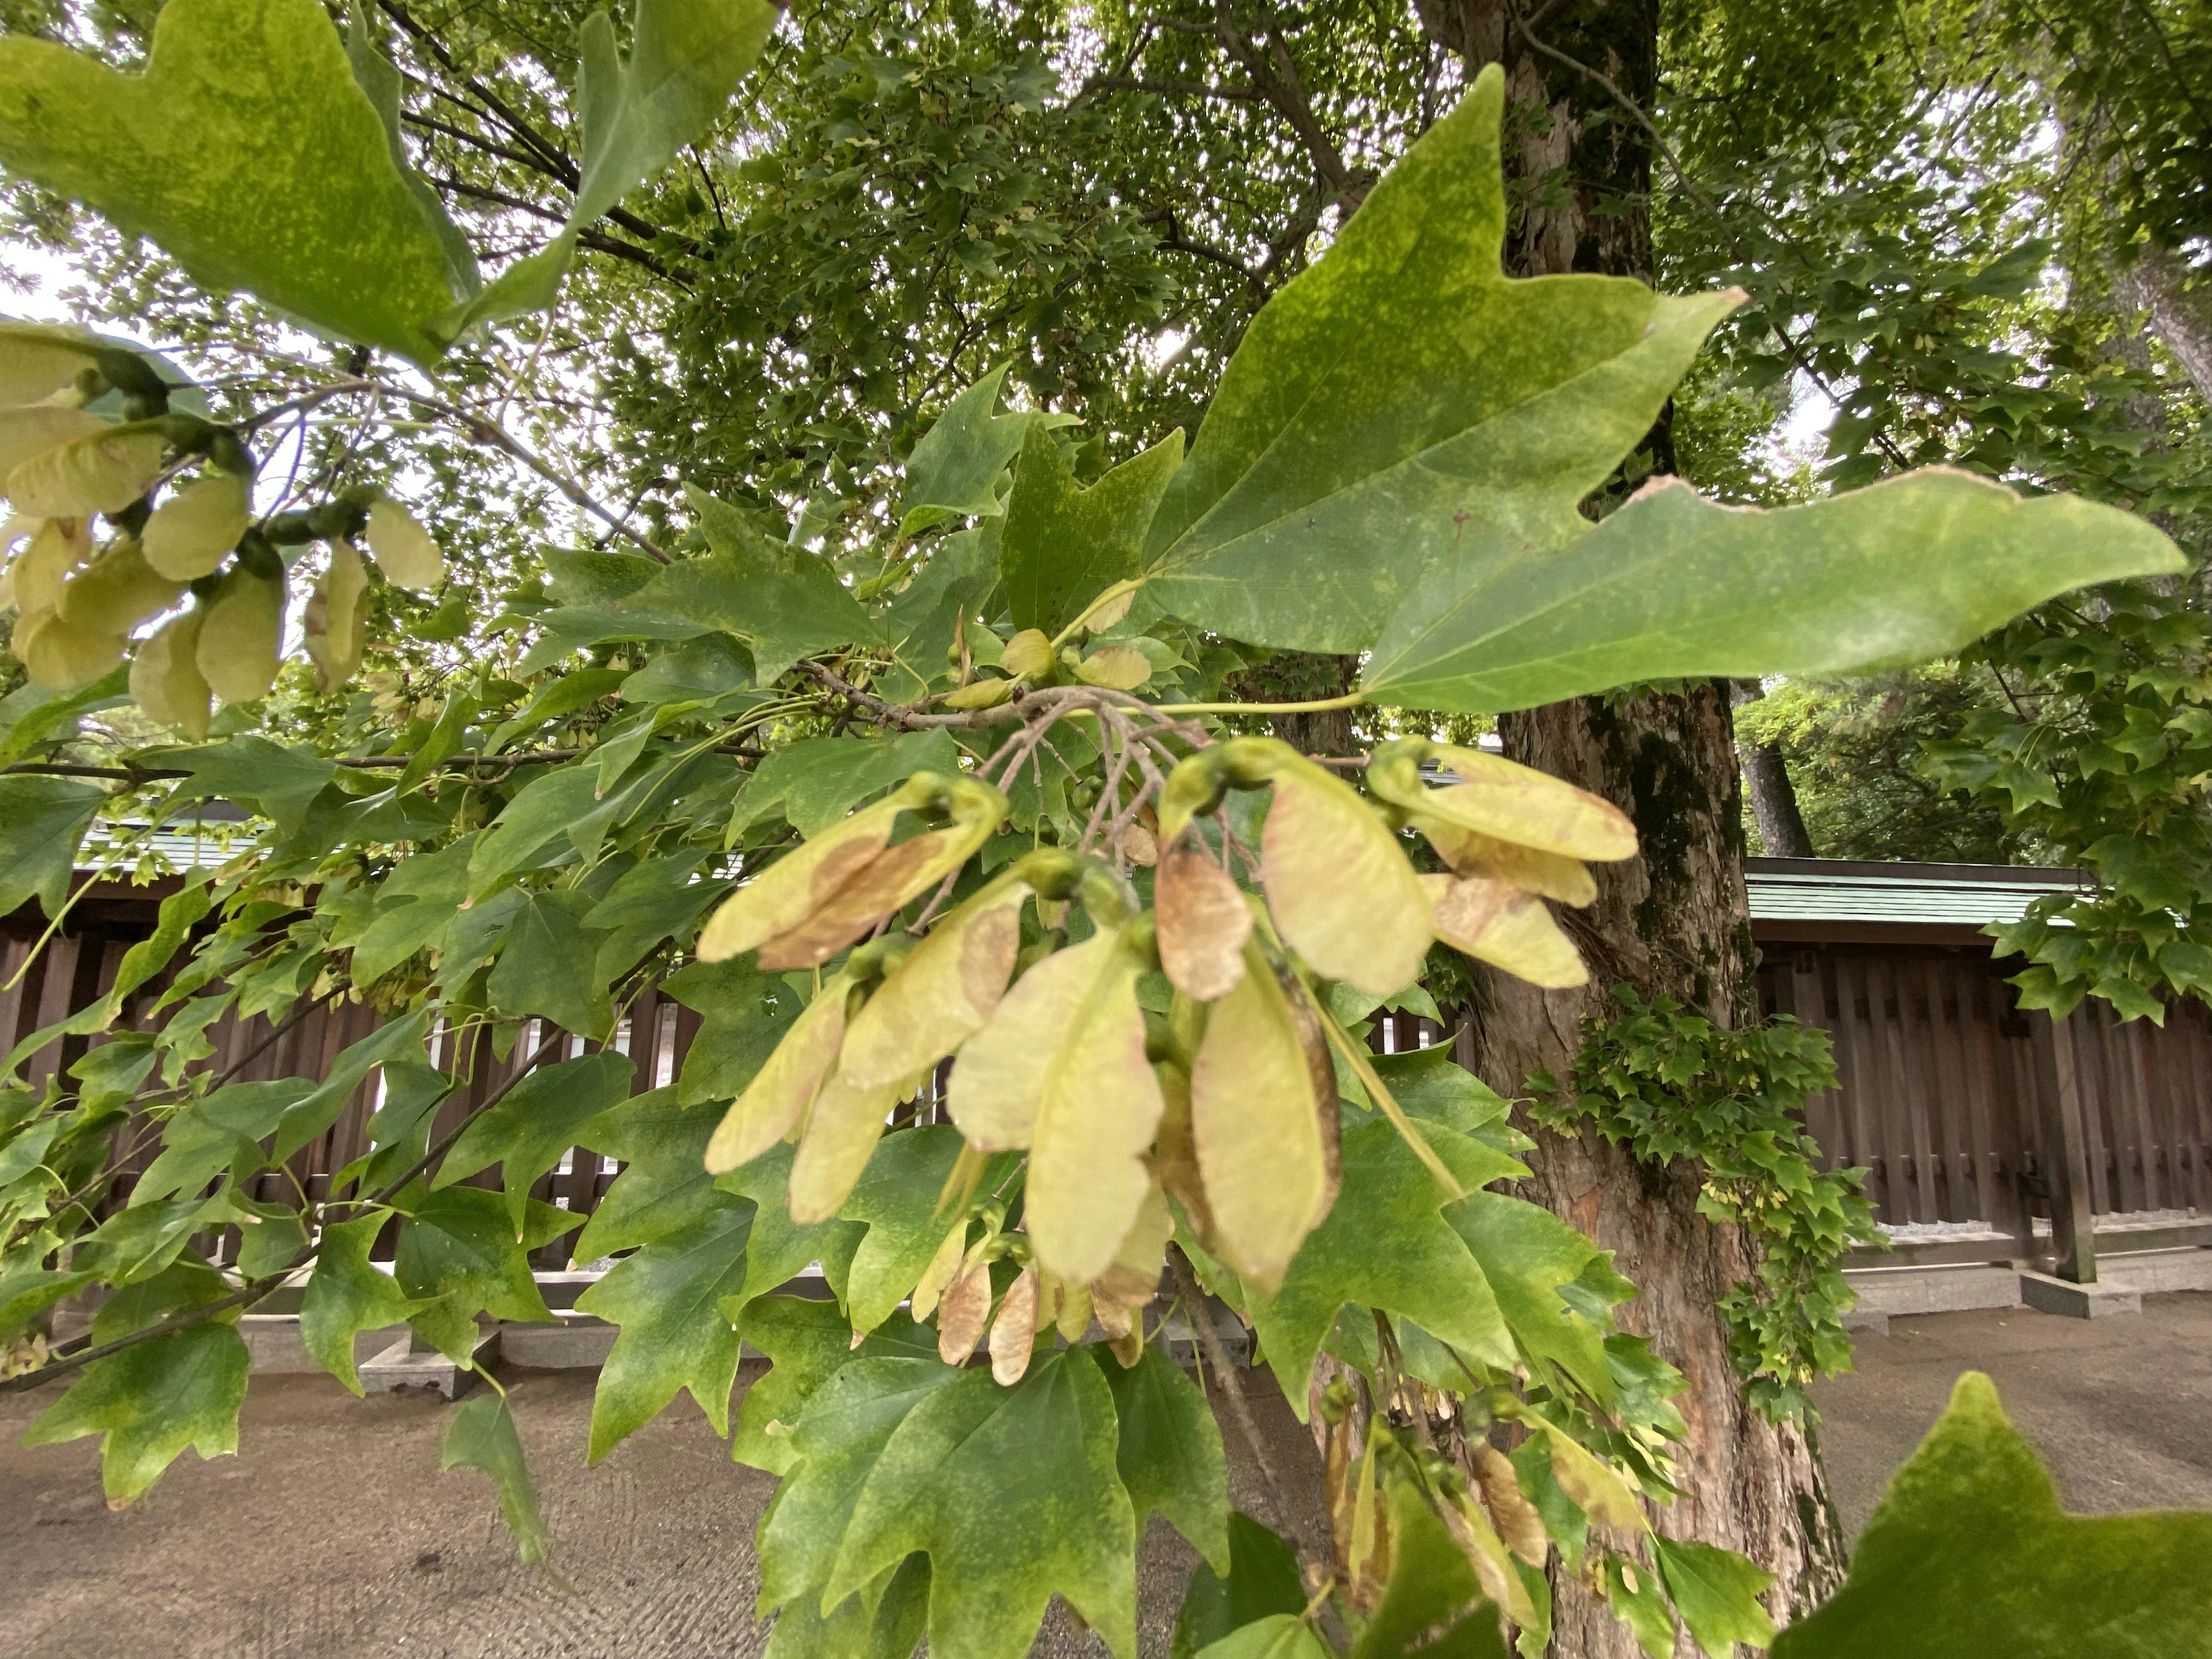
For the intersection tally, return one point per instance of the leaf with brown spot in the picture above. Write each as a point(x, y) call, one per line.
point(1203, 919)
point(944, 992)
point(1013, 1333)
point(1519, 1525)
point(961, 1314)
point(1496, 923)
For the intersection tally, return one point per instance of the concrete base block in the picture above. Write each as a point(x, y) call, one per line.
point(400, 1366)
point(574, 1342)
point(2046, 1294)
point(273, 1342)
point(1867, 1321)
point(2157, 1270)
point(1895, 1290)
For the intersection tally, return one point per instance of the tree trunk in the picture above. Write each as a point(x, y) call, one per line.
point(1674, 919)
point(1773, 796)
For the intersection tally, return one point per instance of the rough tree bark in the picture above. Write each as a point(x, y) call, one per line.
point(1674, 919)
point(1766, 779)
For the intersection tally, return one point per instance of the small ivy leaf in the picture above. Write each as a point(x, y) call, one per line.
point(1969, 1550)
point(481, 1437)
point(149, 1401)
point(1716, 1591)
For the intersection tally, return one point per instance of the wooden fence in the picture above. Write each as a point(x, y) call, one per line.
point(1963, 1109)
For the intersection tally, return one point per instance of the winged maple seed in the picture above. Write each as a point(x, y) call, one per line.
point(1013, 1332)
point(813, 902)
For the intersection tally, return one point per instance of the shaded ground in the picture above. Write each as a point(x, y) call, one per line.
point(334, 1535)
point(2121, 1408)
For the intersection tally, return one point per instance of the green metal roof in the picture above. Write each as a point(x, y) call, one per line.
point(1845, 890)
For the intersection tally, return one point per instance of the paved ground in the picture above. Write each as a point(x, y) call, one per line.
point(334, 1535)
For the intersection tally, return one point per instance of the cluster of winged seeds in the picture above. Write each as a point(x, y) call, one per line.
point(1226, 1103)
point(79, 600)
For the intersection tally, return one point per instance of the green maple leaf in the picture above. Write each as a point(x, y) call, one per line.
point(1526, 1254)
point(540, 1119)
point(345, 1295)
point(1261, 1583)
point(1170, 1455)
point(247, 150)
point(482, 1436)
point(954, 471)
point(1402, 406)
point(807, 1343)
point(664, 1185)
point(1386, 1244)
point(895, 1201)
point(1672, 586)
point(1014, 1496)
point(150, 1402)
point(782, 1248)
point(1969, 1552)
point(676, 1332)
point(549, 966)
point(1064, 544)
point(834, 1445)
point(459, 1251)
point(42, 819)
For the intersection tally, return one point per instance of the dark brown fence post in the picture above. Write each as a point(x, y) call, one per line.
point(2065, 1161)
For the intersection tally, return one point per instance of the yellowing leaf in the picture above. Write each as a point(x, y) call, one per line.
point(998, 1084)
point(101, 472)
point(165, 680)
point(191, 531)
point(39, 359)
point(1519, 1525)
point(1013, 1333)
point(979, 693)
point(1502, 799)
point(776, 1100)
point(241, 637)
point(841, 1134)
point(1258, 1122)
point(403, 550)
point(1117, 668)
point(1496, 923)
point(334, 627)
point(117, 591)
point(1026, 655)
point(54, 548)
point(942, 993)
point(939, 1272)
point(1132, 1278)
point(1550, 875)
point(1203, 922)
point(1596, 1490)
point(25, 433)
point(1338, 885)
point(60, 657)
point(1099, 1106)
